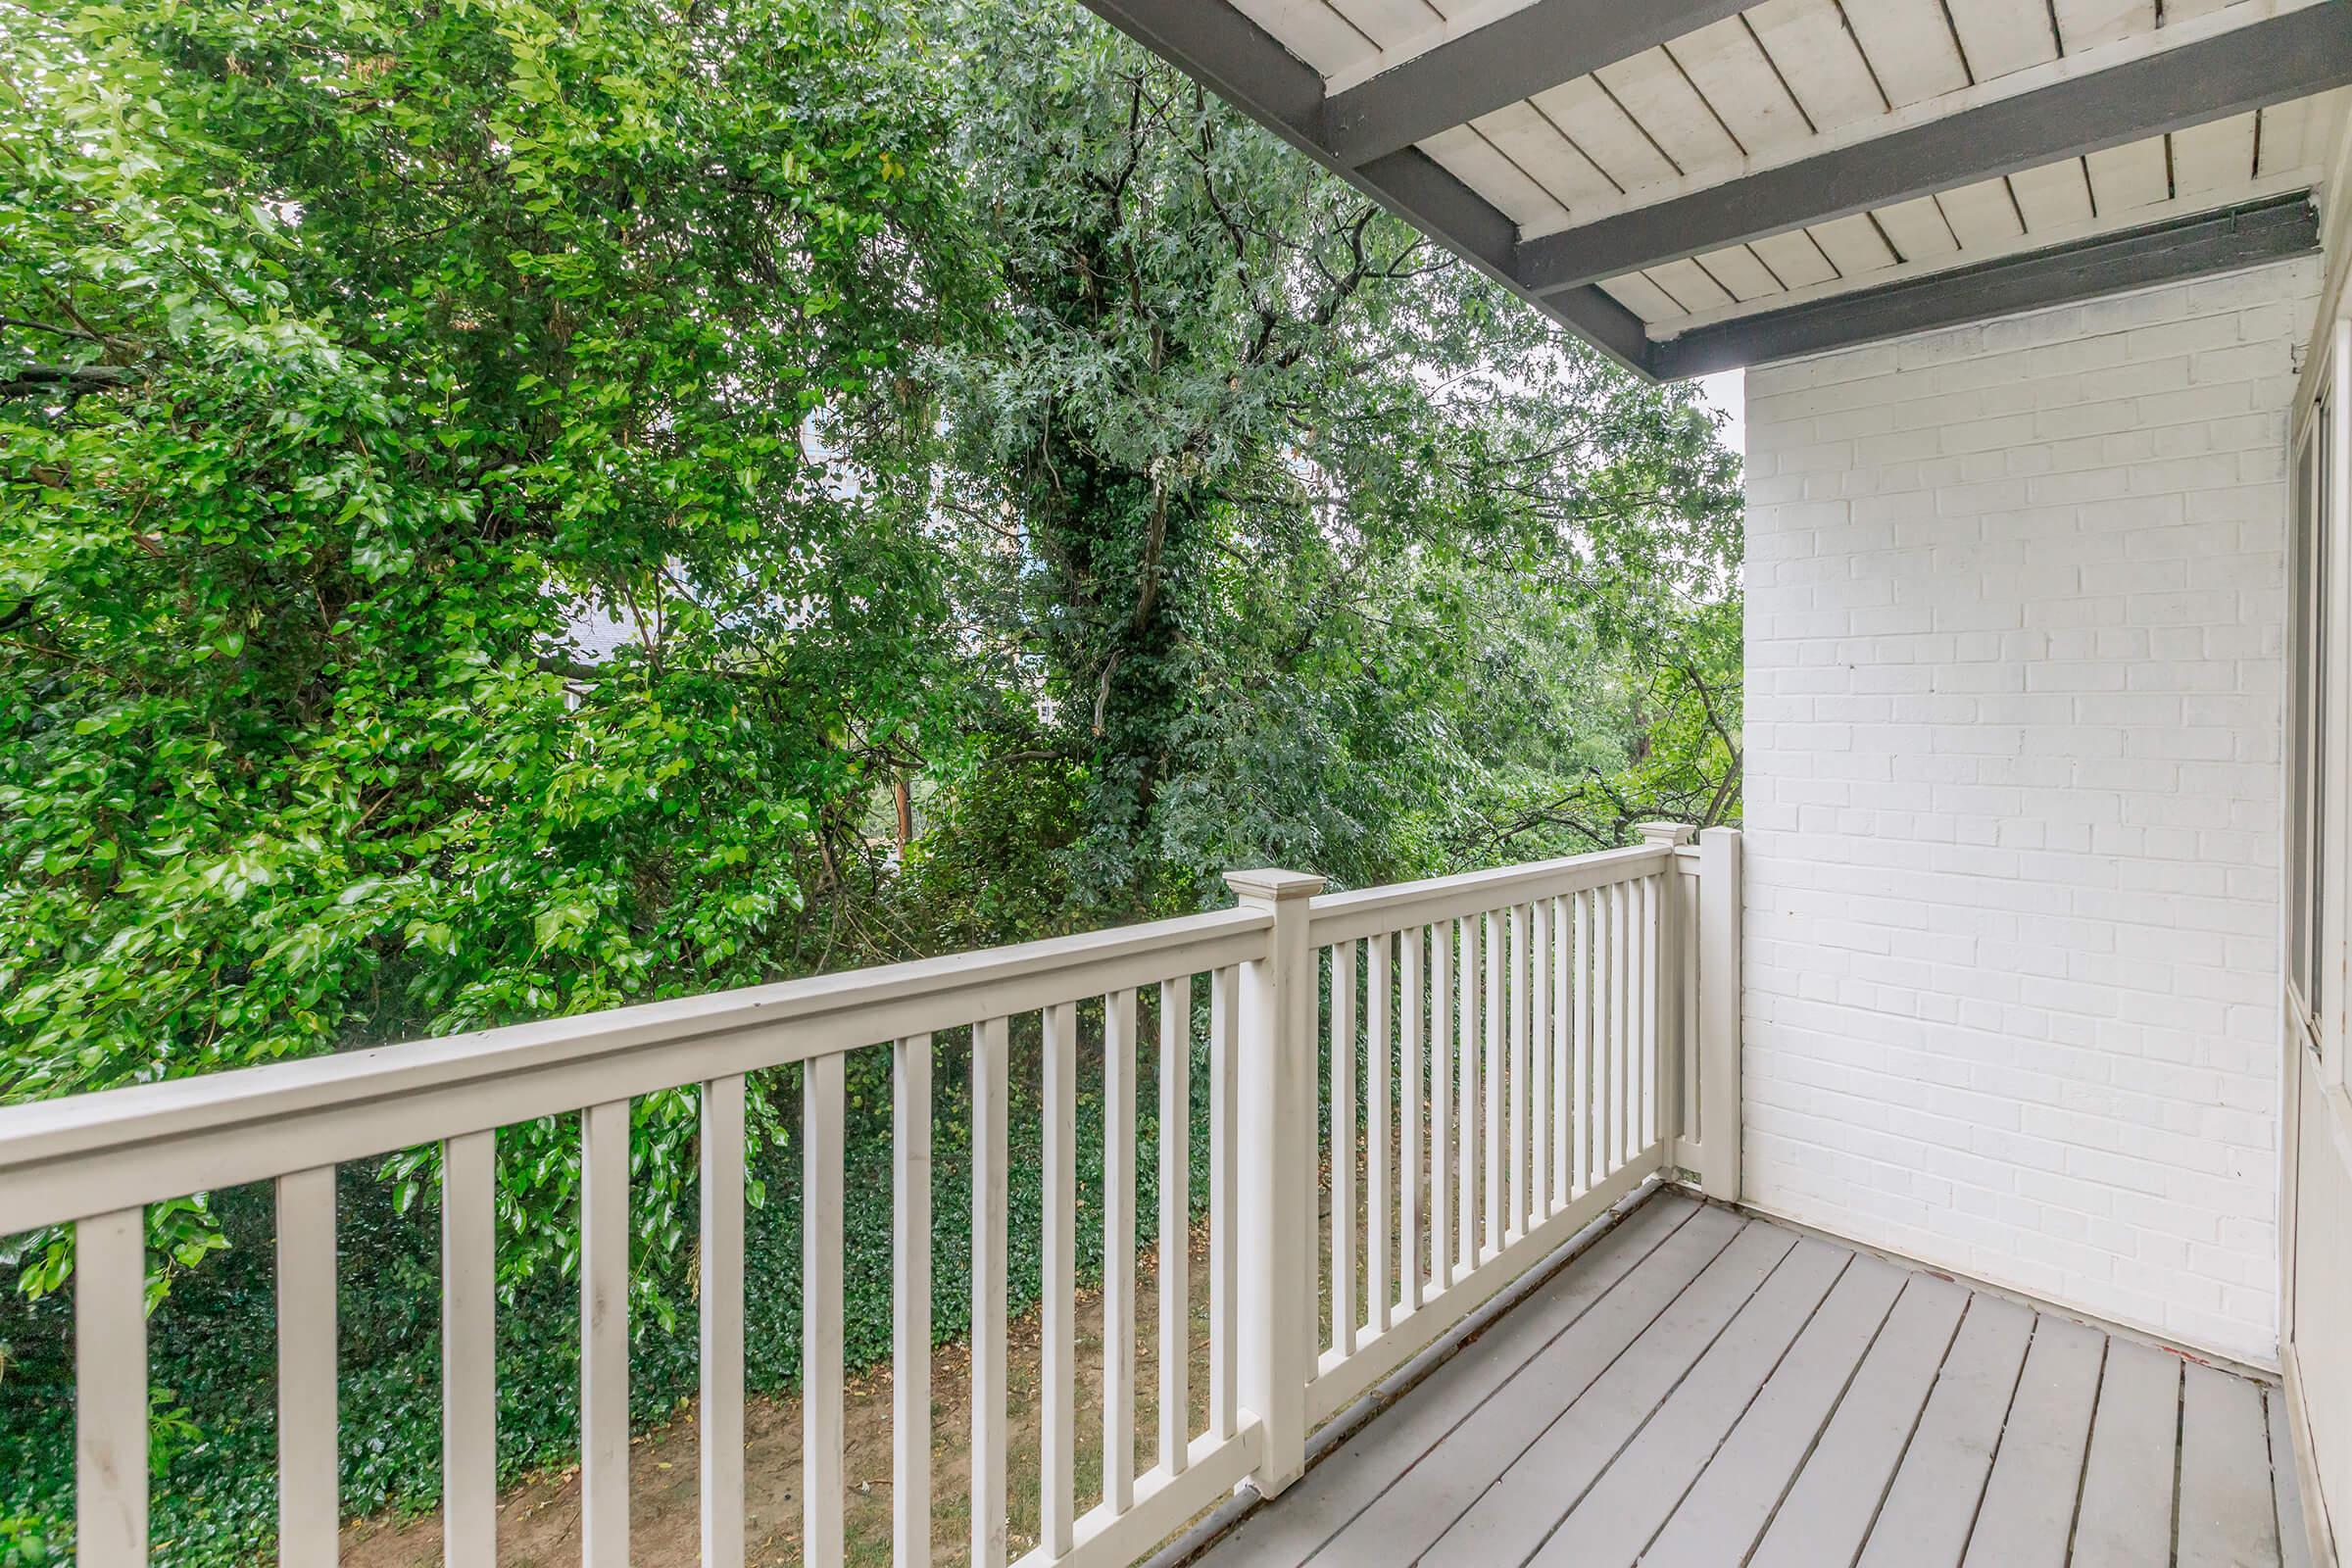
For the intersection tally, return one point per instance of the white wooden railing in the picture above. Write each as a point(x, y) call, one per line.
point(1504, 1055)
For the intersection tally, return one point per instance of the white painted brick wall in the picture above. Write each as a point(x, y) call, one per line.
point(2014, 673)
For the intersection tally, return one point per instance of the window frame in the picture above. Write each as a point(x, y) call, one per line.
point(2317, 806)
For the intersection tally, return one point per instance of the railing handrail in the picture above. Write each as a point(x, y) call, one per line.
point(1370, 911)
point(111, 1149)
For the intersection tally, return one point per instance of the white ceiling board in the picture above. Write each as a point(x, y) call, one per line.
point(1742, 272)
point(1533, 142)
point(2178, 11)
point(1911, 48)
point(2000, 37)
point(1474, 160)
point(1590, 118)
point(1691, 286)
point(1982, 214)
point(1389, 23)
point(1641, 296)
point(1919, 229)
point(2303, 135)
point(1853, 245)
point(1794, 259)
point(2213, 158)
point(2130, 176)
point(1311, 31)
point(1819, 59)
point(2088, 24)
point(2281, 133)
point(1661, 98)
point(2053, 195)
point(1724, 60)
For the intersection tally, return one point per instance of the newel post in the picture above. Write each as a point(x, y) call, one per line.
point(1675, 1035)
point(1274, 1160)
point(1719, 901)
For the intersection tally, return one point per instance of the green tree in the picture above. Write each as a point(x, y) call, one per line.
point(1283, 535)
point(352, 355)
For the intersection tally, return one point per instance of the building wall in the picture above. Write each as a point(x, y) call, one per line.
point(2015, 597)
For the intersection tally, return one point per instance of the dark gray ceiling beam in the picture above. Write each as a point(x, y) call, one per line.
point(2225, 241)
point(1249, 67)
point(1513, 57)
point(2303, 52)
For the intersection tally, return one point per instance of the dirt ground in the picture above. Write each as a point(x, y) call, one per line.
point(539, 1520)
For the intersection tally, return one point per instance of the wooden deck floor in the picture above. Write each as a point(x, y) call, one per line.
point(1701, 1391)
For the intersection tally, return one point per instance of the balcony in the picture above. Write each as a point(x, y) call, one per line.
point(1507, 1312)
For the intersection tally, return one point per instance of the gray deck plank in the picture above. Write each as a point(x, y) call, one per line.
point(1535, 1489)
point(1724, 1512)
point(2226, 1503)
point(1424, 1499)
point(2028, 1517)
point(1348, 1481)
point(2294, 1534)
point(1829, 1510)
point(1701, 1390)
point(1640, 1489)
point(2126, 1518)
point(1932, 1505)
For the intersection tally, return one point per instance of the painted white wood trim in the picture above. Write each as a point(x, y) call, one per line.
point(822, 1430)
point(604, 1335)
point(61, 1159)
point(1058, 1368)
point(991, 1068)
point(110, 1389)
point(1175, 1223)
point(309, 1452)
point(1118, 1250)
point(469, 1350)
point(1370, 911)
point(719, 1421)
point(911, 1302)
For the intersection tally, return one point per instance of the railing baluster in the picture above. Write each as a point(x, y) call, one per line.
point(911, 1302)
point(1416, 1002)
point(1343, 1147)
point(822, 1431)
point(1058, 1360)
point(1175, 1222)
point(604, 1335)
point(720, 1422)
point(1224, 1010)
point(110, 1389)
point(1376, 1078)
point(1494, 1129)
point(1588, 1075)
point(468, 1351)
point(990, 1067)
point(1539, 1075)
point(1652, 899)
point(1440, 1108)
point(1620, 1027)
point(309, 1490)
point(1563, 1055)
point(1118, 1250)
point(1467, 1128)
point(1516, 1222)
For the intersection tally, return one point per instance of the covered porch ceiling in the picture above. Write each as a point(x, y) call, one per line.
point(1691, 186)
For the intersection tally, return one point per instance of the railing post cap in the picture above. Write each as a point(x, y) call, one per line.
point(1665, 834)
point(1267, 885)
